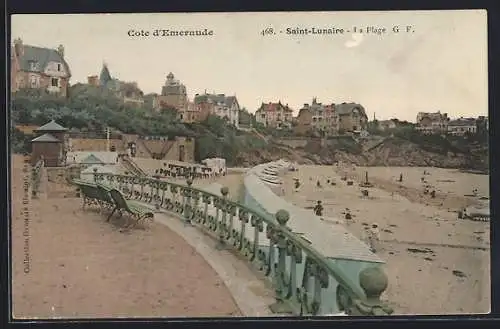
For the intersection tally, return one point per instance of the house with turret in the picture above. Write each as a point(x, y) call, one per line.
point(128, 92)
point(42, 68)
point(173, 94)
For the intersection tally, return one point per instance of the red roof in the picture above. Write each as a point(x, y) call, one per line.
point(272, 107)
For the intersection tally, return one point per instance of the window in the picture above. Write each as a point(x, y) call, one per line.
point(59, 67)
point(34, 66)
point(263, 116)
point(54, 82)
point(34, 81)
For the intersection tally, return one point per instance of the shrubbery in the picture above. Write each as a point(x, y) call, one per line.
point(90, 108)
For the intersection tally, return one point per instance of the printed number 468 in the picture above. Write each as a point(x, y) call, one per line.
point(268, 31)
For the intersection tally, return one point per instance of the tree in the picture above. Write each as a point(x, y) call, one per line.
point(91, 109)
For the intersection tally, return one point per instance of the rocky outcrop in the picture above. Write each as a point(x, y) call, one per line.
point(388, 152)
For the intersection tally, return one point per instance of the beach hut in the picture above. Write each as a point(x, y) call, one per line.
point(48, 148)
point(54, 129)
point(106, 158)
point(92, 160)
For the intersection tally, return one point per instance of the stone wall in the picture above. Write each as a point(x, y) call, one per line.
point(60, 175)
point(293, 142)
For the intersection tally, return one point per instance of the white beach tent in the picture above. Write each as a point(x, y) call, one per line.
point(103, 157)
point(88, 174)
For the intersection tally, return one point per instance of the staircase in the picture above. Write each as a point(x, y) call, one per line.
point(256, 133)
point(132, 167)
point(374, 144)
point(166, 148)
point(156, 147)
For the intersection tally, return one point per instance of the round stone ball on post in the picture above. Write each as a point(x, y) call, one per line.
point(282, 216)
point(374, 282)
point(224, 191)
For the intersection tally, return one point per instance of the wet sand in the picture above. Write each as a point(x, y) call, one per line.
point(436, 263)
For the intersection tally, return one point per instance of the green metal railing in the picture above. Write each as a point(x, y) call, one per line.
point(267, 243)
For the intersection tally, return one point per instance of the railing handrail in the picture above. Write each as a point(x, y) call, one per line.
point(292, 235)
point(355, 292)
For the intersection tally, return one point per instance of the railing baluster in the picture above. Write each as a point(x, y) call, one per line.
point(258, 225)
point(142, 190)
point(279, 274)
point(187, 202)
point(206, 201)
point(243, 216)
point(222, 224)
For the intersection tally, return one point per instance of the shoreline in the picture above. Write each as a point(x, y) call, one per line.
point(427, 249)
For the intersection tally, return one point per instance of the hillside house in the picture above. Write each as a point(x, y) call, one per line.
point(352, 118)
point(152, 101)
point(39, 68)
point(173, 94)
point(225, 107)
point(319, 117)
point(190, 113)
point(462, 126)
point(128, 92)
point(385, 125)
point(274, 115)
point(432, 123)
point(303, 122)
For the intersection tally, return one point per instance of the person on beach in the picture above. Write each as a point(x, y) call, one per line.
point(318, 210)
point(348, 217)
point(296, 184)
point(373, 237)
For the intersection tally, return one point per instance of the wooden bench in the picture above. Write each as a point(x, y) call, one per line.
point(90, 193)
point(106, 199)
point(136, 210)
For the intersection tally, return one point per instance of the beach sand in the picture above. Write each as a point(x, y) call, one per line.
point(436, 263)
point(81, 266)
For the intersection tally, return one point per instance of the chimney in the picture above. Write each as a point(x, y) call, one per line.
point(92, 80)
point(18, 47)
point(60, 50)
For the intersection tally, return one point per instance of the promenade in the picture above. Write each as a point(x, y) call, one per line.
point(69, 263)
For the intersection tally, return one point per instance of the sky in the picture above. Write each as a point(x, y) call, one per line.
point(440, 64)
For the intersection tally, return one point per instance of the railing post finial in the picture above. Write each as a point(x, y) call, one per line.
point(282, 216)
point(374, 282)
